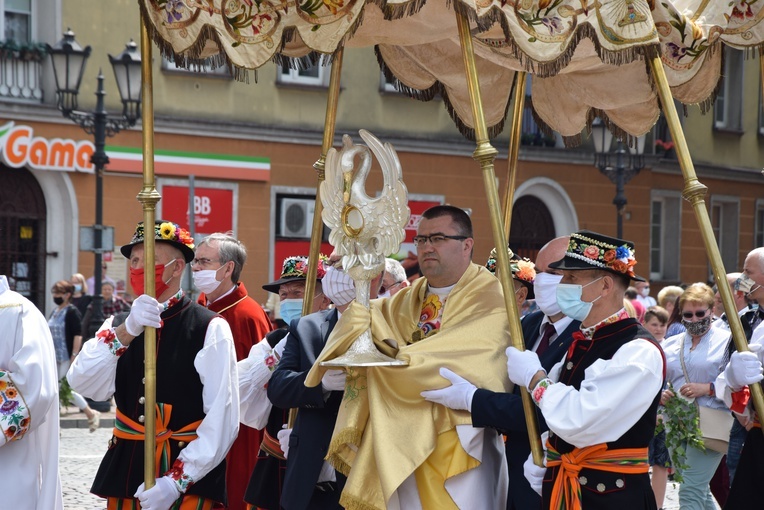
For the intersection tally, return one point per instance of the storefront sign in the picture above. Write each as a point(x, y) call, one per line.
point(20, 148)
point(213, 208)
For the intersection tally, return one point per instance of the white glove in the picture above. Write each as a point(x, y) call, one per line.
point(522, 366)
point(146, 311)
point(161, 496)
point(279, 349)
point(534, 474)
point(457, 396)
point(744, 368)
point(283, 436)
point(333, 380)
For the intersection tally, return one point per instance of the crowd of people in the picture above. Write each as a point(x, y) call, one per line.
point(248, 417)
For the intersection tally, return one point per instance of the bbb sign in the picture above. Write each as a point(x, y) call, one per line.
point(213, 208)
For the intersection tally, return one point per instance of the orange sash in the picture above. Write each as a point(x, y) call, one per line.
point(126, 428)
point(566, 491)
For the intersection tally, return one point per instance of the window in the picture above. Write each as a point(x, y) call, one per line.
point(314, 76)
point(758, 233)
point(204, 69)
point(665, 217)
point(728, 108)
point(725, 217)
point(17, 20)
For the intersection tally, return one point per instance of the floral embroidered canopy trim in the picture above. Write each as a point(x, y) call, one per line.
point(586, 55)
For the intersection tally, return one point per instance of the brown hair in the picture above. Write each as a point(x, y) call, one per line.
point(659, 313)
point(62, 287)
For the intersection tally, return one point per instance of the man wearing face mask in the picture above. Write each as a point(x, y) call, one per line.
point(216, 268)
point(547, 332)
point(310, 481)
point(643, 294)
point(255, 372)
point(600, 400)
point(196, 389)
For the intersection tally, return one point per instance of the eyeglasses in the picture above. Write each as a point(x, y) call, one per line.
point(202, 262)
point(436, 239)
point(384, 289)
point(698, 313)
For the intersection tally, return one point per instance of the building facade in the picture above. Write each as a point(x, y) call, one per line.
point(250, 148)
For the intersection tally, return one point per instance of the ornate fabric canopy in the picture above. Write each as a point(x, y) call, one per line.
point(586, 57)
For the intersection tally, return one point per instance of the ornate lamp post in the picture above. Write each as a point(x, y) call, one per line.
point(619, 166)
point(69, 59)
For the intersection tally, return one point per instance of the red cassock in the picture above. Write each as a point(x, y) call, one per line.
point(249, 324)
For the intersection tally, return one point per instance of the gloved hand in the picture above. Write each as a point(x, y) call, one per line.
point(161, 496)
point(744, 368)
point(333, 380)
point(534, 474)
point(145, 312)
point(279, 349)
point(283, 436)
point(522, 366)
point(457, 396)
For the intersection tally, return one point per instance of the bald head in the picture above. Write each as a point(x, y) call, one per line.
point(552, 251)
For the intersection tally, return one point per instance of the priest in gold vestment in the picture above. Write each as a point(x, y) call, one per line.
point(398, 450)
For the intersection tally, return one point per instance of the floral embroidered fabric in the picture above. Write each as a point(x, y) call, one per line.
point(14, 414)
point(182, 480)
point(620, 315)
point(429, 318)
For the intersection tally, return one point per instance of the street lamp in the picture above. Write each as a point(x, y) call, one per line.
point(68, 59)
point(619, 166)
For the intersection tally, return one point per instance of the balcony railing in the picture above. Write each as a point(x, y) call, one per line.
point(21, 73)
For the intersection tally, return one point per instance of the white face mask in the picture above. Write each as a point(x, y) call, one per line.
point(385, 294)
point(545, 290)
point(206, 280)
point(645, 292)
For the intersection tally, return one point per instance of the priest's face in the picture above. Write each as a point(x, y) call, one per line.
point(443, 252)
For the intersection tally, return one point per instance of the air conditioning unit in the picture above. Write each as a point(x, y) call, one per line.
point(296, 218)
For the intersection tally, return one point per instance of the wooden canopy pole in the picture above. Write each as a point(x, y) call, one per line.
point(694, 192)
point(518, 107)
point(148, 197)
point(485, 154)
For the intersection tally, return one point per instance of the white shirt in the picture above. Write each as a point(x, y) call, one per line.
point(94, 371)
point(254, 373)
point(30, 477)
point(559, 327)
point(607, 405)
point(648, 301)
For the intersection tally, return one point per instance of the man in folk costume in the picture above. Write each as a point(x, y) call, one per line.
point(399, 450)
point(197, 411)
point(600, 400)
point(216, 268)
point(29, 411)
point(744, 369)
point(547, 332)
point(255, 372)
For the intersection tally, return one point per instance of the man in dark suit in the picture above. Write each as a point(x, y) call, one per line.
point(547, 332)
point(310, 482)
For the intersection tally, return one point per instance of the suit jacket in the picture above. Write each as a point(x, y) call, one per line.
point(504, 411)
point(313, 428)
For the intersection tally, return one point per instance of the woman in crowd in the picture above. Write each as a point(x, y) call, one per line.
point(675, 324)
point(667, 297)
point(65, 328)
point(655, 321)
point(80, 298)
point(693, 361)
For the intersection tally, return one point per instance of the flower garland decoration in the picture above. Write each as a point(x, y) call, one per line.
point(616, 258)
point(298, 267)
point(522, 268)
point(682, 426)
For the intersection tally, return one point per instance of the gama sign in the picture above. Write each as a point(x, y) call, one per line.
point(20, 148)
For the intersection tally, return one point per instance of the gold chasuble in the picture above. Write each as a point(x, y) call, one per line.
point(385, 430)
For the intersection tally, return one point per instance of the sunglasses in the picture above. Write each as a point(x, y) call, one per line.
point(699, 314)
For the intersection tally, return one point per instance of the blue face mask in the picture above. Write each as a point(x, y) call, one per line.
point(569, 300)
point(290, 309)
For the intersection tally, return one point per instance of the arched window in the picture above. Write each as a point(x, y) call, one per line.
point(532, 226)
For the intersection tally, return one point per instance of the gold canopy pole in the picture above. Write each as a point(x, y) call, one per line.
point(518, 107)
point(694, 192)
point(330, 121)
point(485, 155)
point(148, 197)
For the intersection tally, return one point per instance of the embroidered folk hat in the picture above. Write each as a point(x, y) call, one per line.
point(590, 250)
point(166, 232)
point(293, 269)
point(523, 270)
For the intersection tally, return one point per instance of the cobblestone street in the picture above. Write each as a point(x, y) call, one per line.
point(81, 453)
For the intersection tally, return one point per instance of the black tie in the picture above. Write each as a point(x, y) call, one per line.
point(545, 336)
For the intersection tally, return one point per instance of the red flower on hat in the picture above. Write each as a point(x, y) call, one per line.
point(609, 256)
point(592, 252)
point(619, 266)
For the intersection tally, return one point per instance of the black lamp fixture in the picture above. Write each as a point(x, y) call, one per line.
point(620, 165)
point(69, 59)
